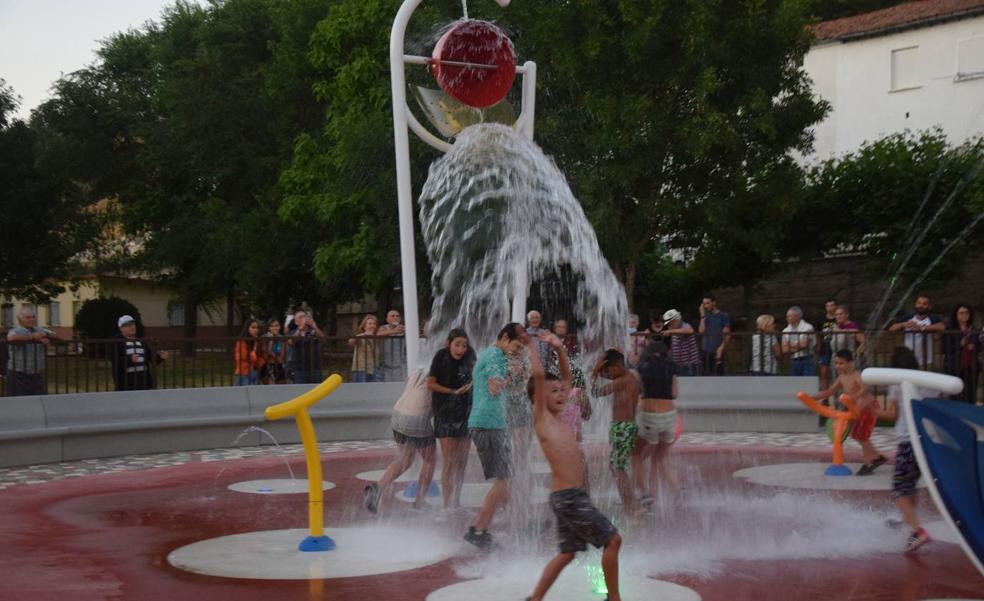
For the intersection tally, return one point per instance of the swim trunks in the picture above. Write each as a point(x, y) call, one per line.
point(622, 438)
point(494, 451)
point(864, 426)
point(578, 521)
point(906, 472)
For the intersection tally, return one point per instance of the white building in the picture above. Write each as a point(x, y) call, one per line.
point(914, 66)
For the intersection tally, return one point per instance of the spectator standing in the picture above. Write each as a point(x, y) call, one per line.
point(393, 360)
point(828, 325)
point(798, 340)
point(633, 323)
point(847, 334)
point(640, 339)
point(765, 347)
point(534, 327)
point(248, 355)
point(133, 360)
point(715, 331)
point(25, 365)
point(306, 342)
point(365, 356)
point(683, 343)
point(275, 351)
point(919, 327)
point(962, 351)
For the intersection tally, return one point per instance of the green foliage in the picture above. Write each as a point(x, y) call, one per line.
point(675, 122)
point(47, 222)
point(872, 200)
point(97, 318)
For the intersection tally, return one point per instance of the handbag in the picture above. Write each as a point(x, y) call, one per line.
point(412, 411)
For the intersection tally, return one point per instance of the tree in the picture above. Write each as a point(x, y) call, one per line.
point(675, 122)
point(48, 222)
point(879, 199)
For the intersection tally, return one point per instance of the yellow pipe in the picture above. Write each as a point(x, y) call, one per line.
point(298, 407)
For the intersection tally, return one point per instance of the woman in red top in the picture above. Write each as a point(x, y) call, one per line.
point(962, 351)
point(248, 356)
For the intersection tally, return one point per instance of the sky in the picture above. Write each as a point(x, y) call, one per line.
point(42, 39)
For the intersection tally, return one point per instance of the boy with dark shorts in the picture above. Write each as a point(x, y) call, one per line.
point(489, 430)
point(578, 521)
point(624, 387)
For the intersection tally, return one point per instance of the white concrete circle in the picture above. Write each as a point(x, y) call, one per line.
point(473, 495)
point(572, 585)
point(280, 486)
point(811, 475)
point(273, 554)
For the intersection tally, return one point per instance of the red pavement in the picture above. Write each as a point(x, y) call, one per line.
point(108, 536)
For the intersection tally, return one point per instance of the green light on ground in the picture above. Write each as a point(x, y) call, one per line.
point(596, 578)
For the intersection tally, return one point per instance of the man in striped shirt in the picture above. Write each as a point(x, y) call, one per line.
point(683, 343)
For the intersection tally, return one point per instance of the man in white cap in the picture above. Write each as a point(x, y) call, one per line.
point(132, 358)
point(683, 345)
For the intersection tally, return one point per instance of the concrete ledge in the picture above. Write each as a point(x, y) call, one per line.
point(44, 429)
point(746, 404)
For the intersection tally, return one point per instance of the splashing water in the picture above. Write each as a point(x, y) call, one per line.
point(497, 212)
point(280, 450)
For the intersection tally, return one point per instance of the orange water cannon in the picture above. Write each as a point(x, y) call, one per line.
point(841, 421)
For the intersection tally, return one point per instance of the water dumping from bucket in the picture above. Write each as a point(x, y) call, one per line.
point(494, 209)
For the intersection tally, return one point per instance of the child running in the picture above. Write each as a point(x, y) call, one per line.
point(622, 434)
point(906, 469)
point(578, 521)
point(657, 419)
point(489, 429)
point(849, 381)
point(413, 433)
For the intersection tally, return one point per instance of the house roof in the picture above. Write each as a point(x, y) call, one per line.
point(921, 13)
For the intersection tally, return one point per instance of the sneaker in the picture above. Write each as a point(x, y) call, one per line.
point(878, 462)
point(865, 470)
point(916, 539)
point(370, 496)
point(482, 540)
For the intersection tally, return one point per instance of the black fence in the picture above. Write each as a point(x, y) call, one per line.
point(70, 366)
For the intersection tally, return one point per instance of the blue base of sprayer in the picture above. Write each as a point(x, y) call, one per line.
point(411, 490)
point(838, 470)
point(317, 543)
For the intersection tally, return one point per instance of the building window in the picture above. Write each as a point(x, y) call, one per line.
point(54, 314)
point(905, 69)
point(175, 314)
point(970, 58)
point(7, 315)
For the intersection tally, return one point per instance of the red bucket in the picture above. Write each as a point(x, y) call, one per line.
point(478, 43)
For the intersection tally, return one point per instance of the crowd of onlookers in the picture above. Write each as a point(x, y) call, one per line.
point(808, 349)
point(291, 350)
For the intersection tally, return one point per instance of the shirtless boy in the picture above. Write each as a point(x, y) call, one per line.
point(578, 521)
point(849, 381)
point(624, 430)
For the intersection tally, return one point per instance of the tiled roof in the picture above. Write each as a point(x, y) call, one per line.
point(903, 16)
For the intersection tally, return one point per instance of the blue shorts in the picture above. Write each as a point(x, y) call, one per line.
point(824, 359)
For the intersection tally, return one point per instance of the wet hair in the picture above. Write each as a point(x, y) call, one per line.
point(531, 383)
point(844, 354)
point(903, 357)
point(511, 331)
point(615, 357)
point(457, 333)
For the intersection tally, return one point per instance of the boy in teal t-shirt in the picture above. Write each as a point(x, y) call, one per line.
point(488, 427)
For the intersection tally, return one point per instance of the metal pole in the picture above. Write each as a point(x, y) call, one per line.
point(404, 192)
point(521, 284)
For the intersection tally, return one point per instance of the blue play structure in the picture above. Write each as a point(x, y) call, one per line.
point(948, 440)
